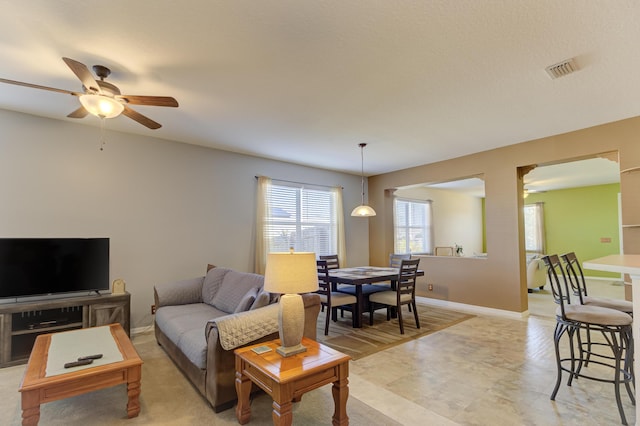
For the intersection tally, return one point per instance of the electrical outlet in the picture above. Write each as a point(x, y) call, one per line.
point(153, 309)
point(430, 287)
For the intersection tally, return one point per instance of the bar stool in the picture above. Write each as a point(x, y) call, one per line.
point(613, 325)
point(579, 287)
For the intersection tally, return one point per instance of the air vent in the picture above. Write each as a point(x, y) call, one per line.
point(562, 68)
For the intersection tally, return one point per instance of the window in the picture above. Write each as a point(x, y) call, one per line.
point(301, 217)
point(412, 226)
point(534, 228)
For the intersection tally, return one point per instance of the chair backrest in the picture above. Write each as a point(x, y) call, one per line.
point(443, 251)
point(324, 286)
point(332, 261)
point(407, 274)
point(396, 259)
point(560, 290)
point(575, 275)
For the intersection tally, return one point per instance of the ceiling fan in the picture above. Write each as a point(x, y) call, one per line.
point(104, 99)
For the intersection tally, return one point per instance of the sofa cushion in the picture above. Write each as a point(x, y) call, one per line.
point(234, 286)
point(247, 300)
point(212, 282)
point(185, 326)
point(179, 293)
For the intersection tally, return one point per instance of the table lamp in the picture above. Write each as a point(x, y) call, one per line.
point(290, 274)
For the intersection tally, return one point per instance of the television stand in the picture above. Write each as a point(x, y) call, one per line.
point(22, 322)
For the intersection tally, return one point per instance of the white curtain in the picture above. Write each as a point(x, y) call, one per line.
point(430, 237)
point(338, 213)
point(262, 215)
point(534, 228)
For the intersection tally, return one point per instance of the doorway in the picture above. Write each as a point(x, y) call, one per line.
point(579, 200)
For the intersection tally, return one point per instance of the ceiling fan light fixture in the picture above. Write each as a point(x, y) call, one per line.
point(101, 106)
point(363, 210)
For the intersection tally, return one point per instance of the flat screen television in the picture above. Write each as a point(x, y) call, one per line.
point(51, 266)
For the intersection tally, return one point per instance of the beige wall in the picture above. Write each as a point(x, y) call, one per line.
point(168, 208)
point(499, 280)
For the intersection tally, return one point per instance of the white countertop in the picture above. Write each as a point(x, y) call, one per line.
point(622, 263)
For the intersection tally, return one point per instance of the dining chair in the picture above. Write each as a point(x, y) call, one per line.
point(443, 251)
point(404, 294)
point(395, 260)
point(613, 325)
point(331, 299)
point(332, 260)
point(333, 263)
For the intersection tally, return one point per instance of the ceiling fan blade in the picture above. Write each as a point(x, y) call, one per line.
point(165, 101)
point(79, 113)
point(37, 86)
point(145, 121)
point(83, 73)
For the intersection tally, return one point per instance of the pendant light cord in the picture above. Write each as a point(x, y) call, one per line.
point(362, 170)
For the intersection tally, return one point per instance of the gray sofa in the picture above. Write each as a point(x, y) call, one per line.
point(200, 321)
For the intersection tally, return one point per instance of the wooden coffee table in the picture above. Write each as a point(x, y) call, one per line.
point(38, 388)
point(287, 379)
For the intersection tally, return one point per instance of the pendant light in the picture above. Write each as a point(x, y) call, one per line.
point(363, 210)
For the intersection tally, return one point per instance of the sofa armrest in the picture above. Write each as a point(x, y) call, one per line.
point(235, 330)
point(181, 292)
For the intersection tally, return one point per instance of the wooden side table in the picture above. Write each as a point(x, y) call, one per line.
point(287, 379)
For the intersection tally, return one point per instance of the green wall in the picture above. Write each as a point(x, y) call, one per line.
point(576, 219)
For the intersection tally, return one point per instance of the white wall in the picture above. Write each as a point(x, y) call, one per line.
point(168, 208)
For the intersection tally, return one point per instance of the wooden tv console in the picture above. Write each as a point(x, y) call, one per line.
point(22, 322)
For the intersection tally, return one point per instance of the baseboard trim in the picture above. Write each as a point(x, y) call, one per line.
point(472, 309)
point(141, 330)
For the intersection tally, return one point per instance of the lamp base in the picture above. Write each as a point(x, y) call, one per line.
point(291, 325)
point(290, 350)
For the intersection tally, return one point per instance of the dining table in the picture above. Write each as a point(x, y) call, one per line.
point(362, 275)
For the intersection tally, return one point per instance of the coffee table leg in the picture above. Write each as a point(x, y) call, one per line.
point(30, 408)
point(243, 389)
point(340, 391)
point(133, 391)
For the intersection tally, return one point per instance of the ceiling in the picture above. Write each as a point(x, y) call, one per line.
point(307, 81)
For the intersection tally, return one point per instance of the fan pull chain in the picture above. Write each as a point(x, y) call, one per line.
point(102, 134)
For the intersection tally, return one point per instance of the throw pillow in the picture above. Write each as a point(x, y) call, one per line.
point(263, 299)
point(234, 286)
point(212, 282)
point(247, 300)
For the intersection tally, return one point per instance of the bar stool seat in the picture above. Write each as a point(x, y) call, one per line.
point(597, 315)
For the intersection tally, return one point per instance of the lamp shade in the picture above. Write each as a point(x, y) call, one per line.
point(289, 273)
point(363, 211)
point(101, 106)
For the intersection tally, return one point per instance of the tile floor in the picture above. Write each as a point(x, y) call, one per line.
point(488, 370)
